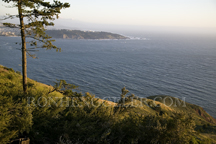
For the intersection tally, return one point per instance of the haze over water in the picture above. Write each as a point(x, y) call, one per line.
point(175, 65)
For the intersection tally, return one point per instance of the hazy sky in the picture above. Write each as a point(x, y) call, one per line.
point(184, 13)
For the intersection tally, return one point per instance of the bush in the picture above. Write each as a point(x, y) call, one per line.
point(15, 117)
point(193, 141)
point(9, 69)
point(200, 130)
point(205, 126)
point(10, 76)
point(86, 121)
point(30, 85)
point(18, 72)
point(153, 129)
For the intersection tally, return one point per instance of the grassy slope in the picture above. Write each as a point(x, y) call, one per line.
point(199, 114)
point(140, 106)
point(11, 77)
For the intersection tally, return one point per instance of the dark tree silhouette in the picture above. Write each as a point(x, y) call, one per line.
point(38, 15)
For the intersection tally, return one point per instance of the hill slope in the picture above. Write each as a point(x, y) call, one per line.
point(142, 120)
point(66, 34)
point(77, 34)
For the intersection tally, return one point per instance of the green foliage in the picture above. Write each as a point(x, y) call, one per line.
point(153, 129)
point(77, 34)
point(10, 25)
point(10, 76)
point(38, 15)
point(63, 87)
point(125, 99)
point(30, 85)
point(90, 124)
point(18, 72)
point(15, 117)
point(193, 141)
point(9, 69)
point(200, 130)
point(85, 119)
point(124, 92)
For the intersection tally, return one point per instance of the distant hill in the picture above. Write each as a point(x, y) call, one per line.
point(66, 33)
point(78, 34)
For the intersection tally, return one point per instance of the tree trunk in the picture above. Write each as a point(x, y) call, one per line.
point(24, 59)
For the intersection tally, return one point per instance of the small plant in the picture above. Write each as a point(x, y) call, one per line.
point(9, 69)
point(10, 76)
point(193, 140)
point(18, 72)
point(150, 104)
point(63, 87)
point(30, 85)
point(201, 130)
point(158, 108)
point(124, 99)
point(205, 126)
point(9, 85)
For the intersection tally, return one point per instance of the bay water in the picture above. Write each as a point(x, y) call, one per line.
point(175, 65)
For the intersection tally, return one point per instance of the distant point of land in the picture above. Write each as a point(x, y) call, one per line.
point(78, 34)
point(66, 33)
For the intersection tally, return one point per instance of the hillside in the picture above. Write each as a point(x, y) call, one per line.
point(77, 34)
point(66, 34)
point(88, 119)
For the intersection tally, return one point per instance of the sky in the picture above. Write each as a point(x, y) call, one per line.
point(158, 13)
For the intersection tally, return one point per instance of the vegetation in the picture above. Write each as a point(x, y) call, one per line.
point(77, 34)
point(76, 118)
point(38, 15)
point(57, 114)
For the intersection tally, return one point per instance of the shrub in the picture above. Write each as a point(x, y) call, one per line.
point(30, 85)
point(18, 72)
point(10, 76)
point(15, 117)
point(205, 126)
point(153, 129)
point(85, 122)
point(9, 69)
point(200, 130)
point(193, 141)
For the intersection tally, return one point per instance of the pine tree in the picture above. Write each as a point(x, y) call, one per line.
point(38, 15)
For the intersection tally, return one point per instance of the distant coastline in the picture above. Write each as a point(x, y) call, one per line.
point(66, 34)
point(78, 34)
